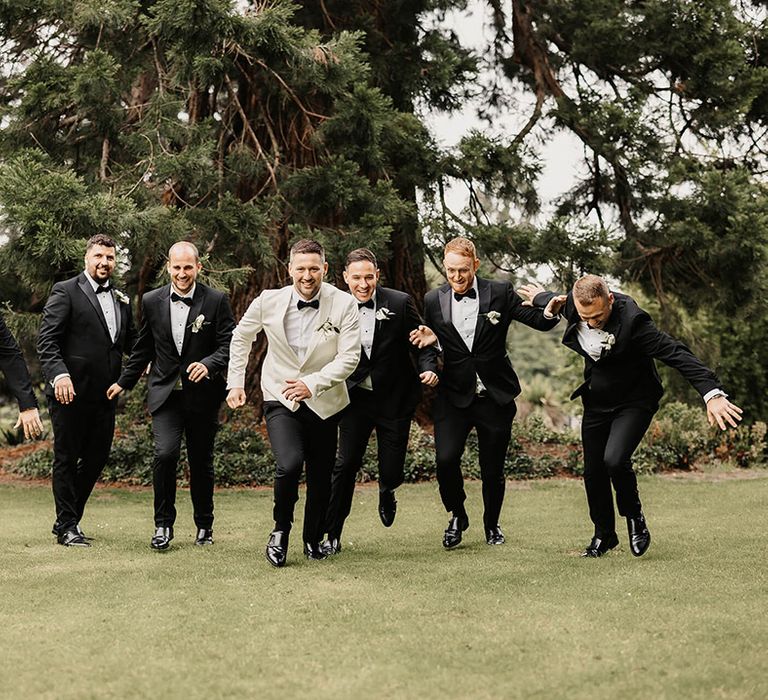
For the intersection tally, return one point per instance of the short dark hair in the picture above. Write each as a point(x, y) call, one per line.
point(307, 245)
point(590, 287)
point(361, 255)
point(99, 239)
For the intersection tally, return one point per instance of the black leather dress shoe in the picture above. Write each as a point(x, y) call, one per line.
point(600, 545)
point(204, 537)
point(314, 551)
point(162, 538)
point(277, 548)
point(456, 525)
point(331, 546)
point(72, 538)
point(639, 537)
point(494, 535)
point(56, 527)
point(387, 507)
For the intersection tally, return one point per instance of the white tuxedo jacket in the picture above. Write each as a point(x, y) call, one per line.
point(332, 354)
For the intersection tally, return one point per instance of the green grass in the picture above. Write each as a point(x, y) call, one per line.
point(393, 616)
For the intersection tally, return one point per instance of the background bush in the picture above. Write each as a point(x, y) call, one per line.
point(679, 438)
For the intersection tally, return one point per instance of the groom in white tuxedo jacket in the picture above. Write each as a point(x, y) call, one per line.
point(313, 340)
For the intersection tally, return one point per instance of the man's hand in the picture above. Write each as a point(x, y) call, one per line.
point(29, 419)
point(555, 305)
point(64, 390)
point(721, 411)
point(114, 390)
point(422, 336)
point(236, 398)
point(429, 378)
point(197, 371)
point(529, 291)
point(296, 390)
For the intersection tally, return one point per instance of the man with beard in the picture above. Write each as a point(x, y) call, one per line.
point(87, 326)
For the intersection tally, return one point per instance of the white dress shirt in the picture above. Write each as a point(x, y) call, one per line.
point(300, 324)
point(593, 341)
point(367, 331)
point(464, 318)
point(179, 316)
point(107, 303)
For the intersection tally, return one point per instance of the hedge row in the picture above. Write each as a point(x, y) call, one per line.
point(678, 438)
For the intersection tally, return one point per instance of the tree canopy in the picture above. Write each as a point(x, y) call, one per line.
point(244, 125)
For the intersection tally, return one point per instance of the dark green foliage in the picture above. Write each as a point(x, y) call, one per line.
point(678, 439)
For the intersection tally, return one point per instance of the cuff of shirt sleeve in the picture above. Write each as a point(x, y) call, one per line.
point(713, 394)
point(59, 376)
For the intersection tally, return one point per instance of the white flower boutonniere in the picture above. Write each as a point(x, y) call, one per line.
point(327, 327)
point(198, 323)
point(493, 317)
point(606, 344)
point(384, 314)
point(121, 297)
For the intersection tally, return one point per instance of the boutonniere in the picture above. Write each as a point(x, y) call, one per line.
point(493, 317)
point(121, 297)
point(327, 327)
point(607, 343)
point(198, 323)
point(384, 314)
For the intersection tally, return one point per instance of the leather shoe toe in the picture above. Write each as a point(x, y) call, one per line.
point(72, 538)
point(600, 545)
point(277, 548)
point(330, 546)
point(639, 537)
point(387, 507)
point(494, 535)
point(204, 537)
point(456, 525)
point(161, 540)
point(314, 551)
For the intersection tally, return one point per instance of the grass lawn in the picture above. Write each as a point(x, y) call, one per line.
point(393, 616)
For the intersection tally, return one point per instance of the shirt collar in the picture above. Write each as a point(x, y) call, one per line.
point(296, 297)
point(190, 293)
point(94, 284)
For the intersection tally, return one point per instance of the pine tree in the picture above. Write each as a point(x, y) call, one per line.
point(240, 130)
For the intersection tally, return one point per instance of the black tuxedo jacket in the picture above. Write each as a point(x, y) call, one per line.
point(626, 373)
point(488, 358)
point(15, 369)
point(74, 339)
point(394, 364)
point(208, 344)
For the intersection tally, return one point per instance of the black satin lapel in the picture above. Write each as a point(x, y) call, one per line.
point(194, 312)
point(445, 304)
point(118, 314)
point(86, 288)
point(164, 314)
point(484, 305)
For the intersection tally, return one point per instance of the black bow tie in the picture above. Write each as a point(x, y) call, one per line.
point(367, 304)
point(470, 293)
point(105, 288)
point(315, 304)
point(183, 300)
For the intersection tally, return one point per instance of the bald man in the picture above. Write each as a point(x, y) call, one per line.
point(185, 333)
